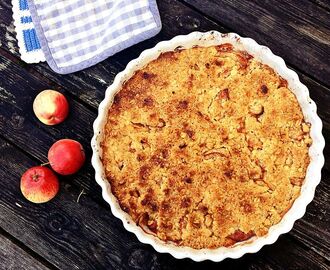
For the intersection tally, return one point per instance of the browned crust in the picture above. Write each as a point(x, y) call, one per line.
point(206, 147)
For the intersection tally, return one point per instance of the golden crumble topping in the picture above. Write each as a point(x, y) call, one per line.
point(206, 147)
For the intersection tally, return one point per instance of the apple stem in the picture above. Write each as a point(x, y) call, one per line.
point(44, 164)
point(81, 193)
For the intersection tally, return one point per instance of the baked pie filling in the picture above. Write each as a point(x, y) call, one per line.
point(206, 147)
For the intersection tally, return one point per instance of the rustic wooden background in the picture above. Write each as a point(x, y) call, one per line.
point(66, 234)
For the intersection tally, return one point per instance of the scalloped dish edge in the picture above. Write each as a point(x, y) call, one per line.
point(313, 174)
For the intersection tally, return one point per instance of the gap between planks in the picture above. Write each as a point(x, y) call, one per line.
point(41, 76)
point(184, 3)
point(99, 202)
point(105, 206)
point(229, 29)
point(27, 250)
point(73, 95)
point(254, 260)
point(322, 3)
point(35, 73)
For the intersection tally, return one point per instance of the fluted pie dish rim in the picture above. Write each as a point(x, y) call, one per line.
point(313, 174)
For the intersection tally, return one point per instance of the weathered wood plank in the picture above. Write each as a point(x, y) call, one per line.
point(15, 90)
point(86, 84)
point(305, 10)
point(83, 235)
point(83, 84)
point(88, 87)
point(321, 96)
point(13, 257)
point(296, 30)
point(322, 3)
point(293, 257)
point(28, 129)
point(19, 88)
point(68, 234)
point(313, 229)
point(19, 125)
point(18, 81)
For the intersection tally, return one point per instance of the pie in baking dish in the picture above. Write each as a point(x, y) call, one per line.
point(206, 147)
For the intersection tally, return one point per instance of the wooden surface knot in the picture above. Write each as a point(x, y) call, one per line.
point(17, 121)
point(141, 258)
point(188, 22)
point(59, 223)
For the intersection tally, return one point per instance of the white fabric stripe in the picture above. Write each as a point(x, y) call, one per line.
point(27, 26)
point(107, 46)
point(40, 2)
point(62, 5)
point(24, 13)
point(50, 34)
point(54, 20)
point(88, 43)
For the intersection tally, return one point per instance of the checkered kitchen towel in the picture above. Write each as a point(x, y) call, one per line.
point(76, 34)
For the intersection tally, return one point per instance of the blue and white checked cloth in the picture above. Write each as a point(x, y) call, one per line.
point(76, 34)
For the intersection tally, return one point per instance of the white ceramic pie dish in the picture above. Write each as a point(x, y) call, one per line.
point(313, 175)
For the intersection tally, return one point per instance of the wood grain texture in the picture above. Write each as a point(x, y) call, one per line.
point(296, 30)
point(14, 258)
point(21, 85)
point(322, 3)
point(313, 229)
point(89, 85)
point(85, 235)
point(18, 125)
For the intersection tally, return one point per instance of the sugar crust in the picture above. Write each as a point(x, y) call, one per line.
point(206, 147)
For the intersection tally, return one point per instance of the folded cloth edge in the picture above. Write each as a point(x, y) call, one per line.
point(96, 59)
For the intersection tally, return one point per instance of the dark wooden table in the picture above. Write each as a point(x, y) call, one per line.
point(66, 234)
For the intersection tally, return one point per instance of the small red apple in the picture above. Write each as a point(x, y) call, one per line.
point(39, 184)
point(51, 107)
point(66, 156)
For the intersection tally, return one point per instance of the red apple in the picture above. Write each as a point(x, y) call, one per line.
point(66, 156)
point(51, 107)
point(39, 184)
